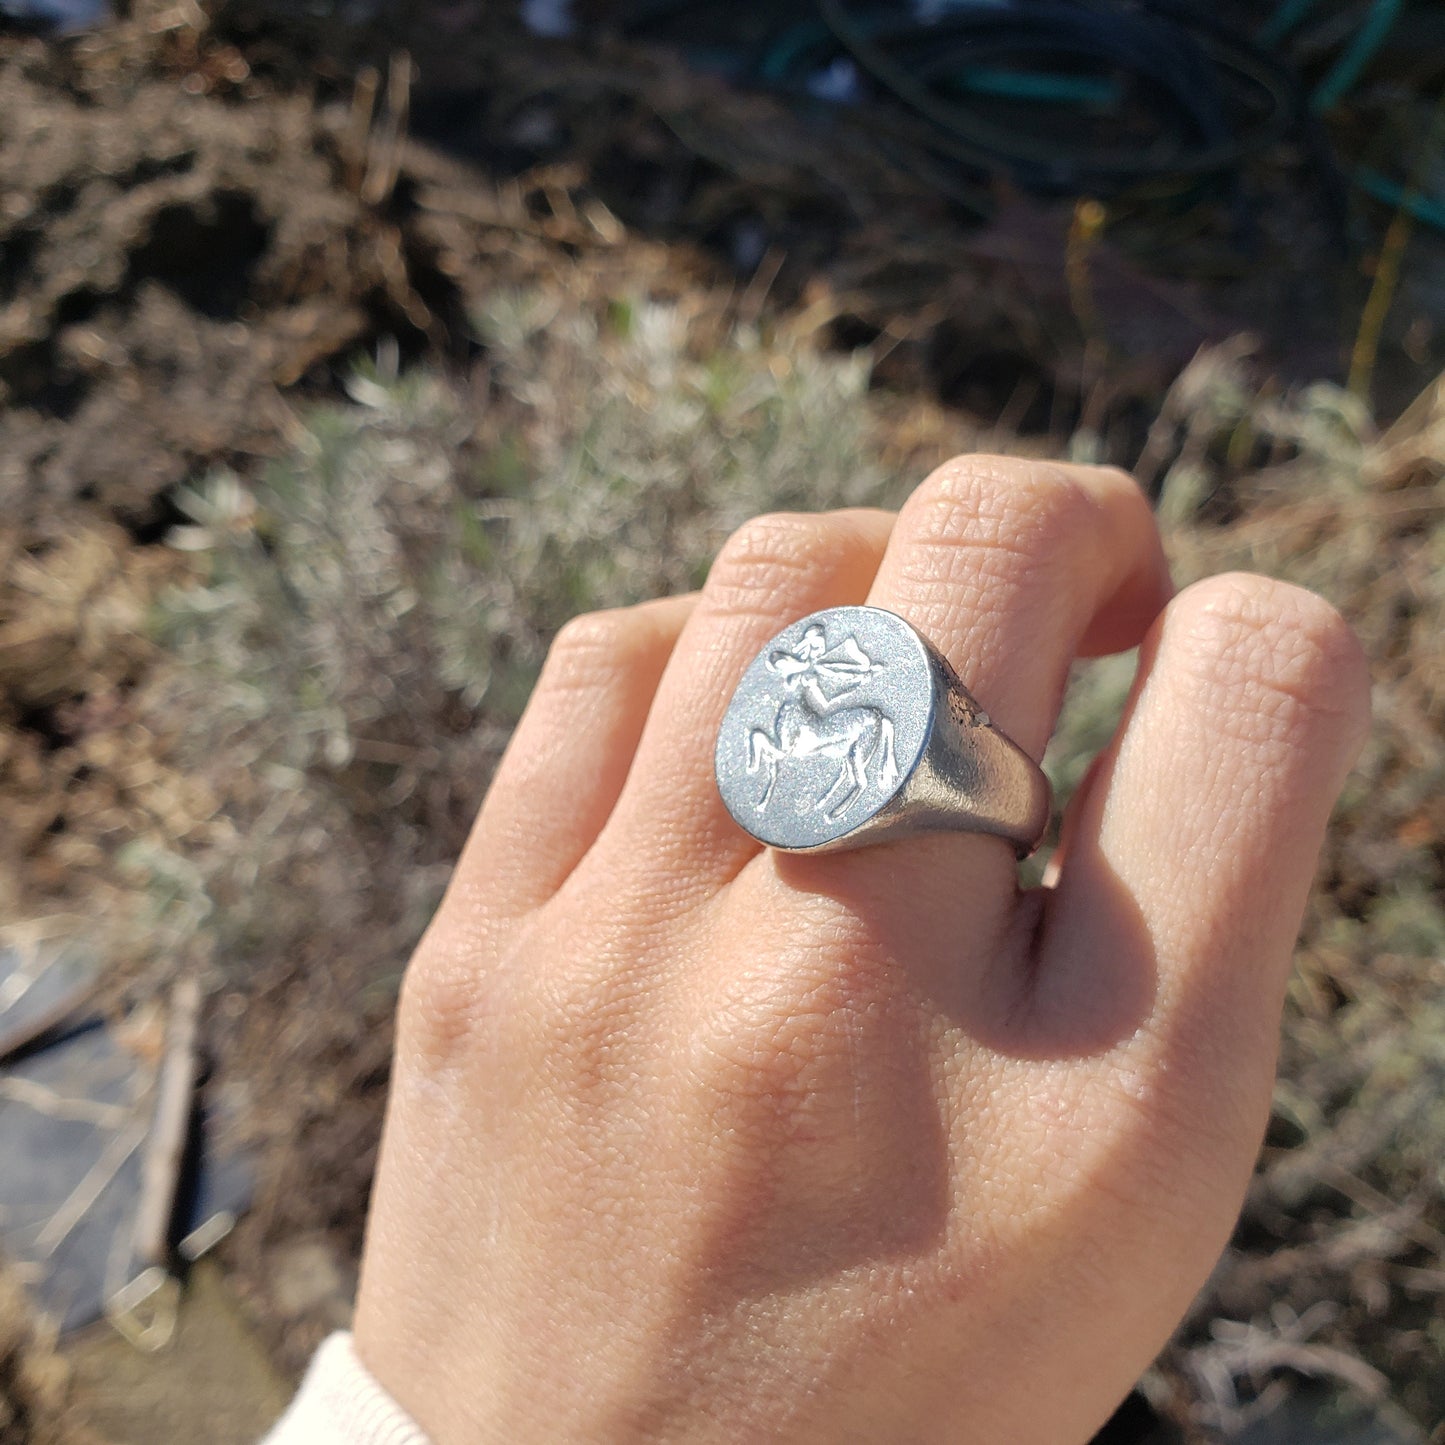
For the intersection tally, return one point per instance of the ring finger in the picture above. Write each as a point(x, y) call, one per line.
point(670, 821)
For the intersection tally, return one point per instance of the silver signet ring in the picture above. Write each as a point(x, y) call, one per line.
point(850, 728)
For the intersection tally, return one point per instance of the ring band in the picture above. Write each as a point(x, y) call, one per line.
point(850, 728)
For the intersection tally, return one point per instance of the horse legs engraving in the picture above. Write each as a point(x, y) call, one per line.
point(888, 769)
point(845, 776)
point(762, 749)
point(854, 770)
point(871, 746)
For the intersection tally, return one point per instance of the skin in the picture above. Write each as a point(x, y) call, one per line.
point(692, 1141)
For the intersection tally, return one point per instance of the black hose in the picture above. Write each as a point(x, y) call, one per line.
point(1205, 96)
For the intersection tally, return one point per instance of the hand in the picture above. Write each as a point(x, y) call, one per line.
point(689, 1140)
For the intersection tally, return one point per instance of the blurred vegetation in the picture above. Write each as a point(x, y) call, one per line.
point(34, 1382)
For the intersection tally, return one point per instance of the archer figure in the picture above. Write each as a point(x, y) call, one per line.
point(816, 721)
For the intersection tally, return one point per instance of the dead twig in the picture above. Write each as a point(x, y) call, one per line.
point(175, 1092)
point(387, 139)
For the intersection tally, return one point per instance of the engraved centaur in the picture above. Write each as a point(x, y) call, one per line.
point(816, 720)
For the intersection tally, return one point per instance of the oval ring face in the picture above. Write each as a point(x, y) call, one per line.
point(826, 726)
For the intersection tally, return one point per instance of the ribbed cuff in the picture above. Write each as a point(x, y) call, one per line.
point(340, 1403)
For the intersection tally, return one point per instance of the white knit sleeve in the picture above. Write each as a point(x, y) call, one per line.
point(340, 1403)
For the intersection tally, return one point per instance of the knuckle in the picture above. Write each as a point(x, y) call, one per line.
point(1276, 663)
point(590, 1014)
point(793, 1050)
point(1020, 514)
point(1140, 1134)
point(441, 1004)
point(583, 1014)
point(1183, 1131)
point(1161, 1145)
point(756, 562)
point(591, 649)
point(815, 1081)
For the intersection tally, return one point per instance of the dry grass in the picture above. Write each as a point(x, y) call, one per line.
point(34, 1382)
